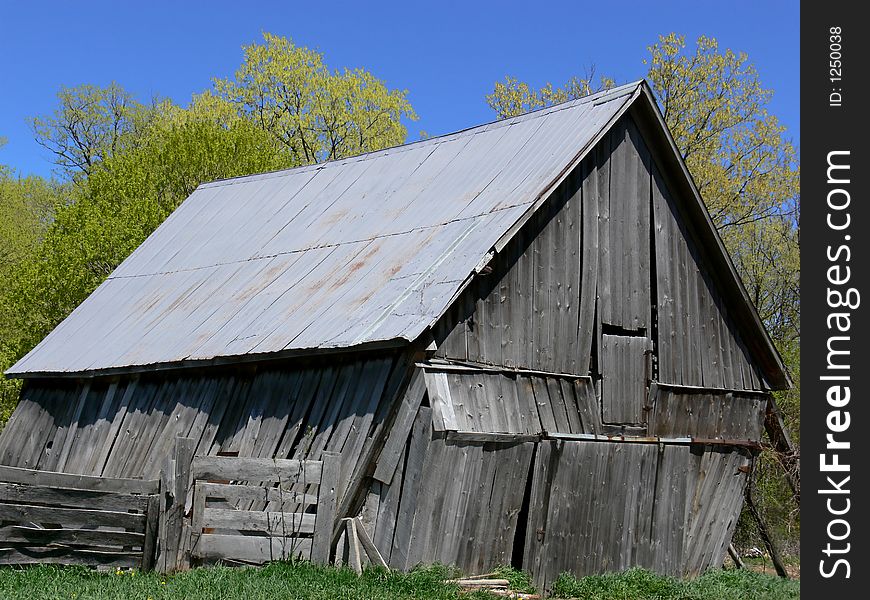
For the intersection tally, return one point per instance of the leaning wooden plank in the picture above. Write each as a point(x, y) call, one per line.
point(355, 486)
point(398, 436)
point(68, 556)
point(20, 493)
point(275, 523)
point(44, 536)
point(98, 464)
point(327, 498)
point(72, 428)
point(249, 549)
point(388, 509)
point(354, 557)
point(534, 557)
point(224, 468)
point(70, 516)
point(368, 545)
point(587, 405)
point(418, 445)
point(82, 482)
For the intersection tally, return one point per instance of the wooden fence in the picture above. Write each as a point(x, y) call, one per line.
point(203, 509)
point(253, 510)
point(48, 517)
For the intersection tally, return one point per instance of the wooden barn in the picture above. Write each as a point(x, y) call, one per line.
point(525, 340)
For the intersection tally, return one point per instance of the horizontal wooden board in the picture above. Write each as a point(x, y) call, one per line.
point(81, 482)
point(249, 549)
point(255, 493)
point(70, 516)
point(68, 556)
point(276, 523)
point(95, 537)
point(224, 468)
point(72, 498)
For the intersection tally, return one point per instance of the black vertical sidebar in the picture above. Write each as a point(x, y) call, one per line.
point(835, 300)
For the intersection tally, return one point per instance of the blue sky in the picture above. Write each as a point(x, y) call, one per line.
point(446, 54)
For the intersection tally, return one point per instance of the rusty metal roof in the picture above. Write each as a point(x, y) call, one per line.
point(362, 250)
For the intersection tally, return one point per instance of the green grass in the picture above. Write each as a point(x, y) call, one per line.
point(285, 581)
point(275, 581)
point(638, 584)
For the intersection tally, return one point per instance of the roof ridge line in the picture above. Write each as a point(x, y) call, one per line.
point(594, 99)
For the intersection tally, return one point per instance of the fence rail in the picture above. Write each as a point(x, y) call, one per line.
point(48, 517)
point(203, 508)
point(255, 510)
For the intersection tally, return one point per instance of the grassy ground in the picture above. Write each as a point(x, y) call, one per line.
point(637, 584)
point(286, 581)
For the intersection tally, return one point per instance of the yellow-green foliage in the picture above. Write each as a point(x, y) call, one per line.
point(317, 113)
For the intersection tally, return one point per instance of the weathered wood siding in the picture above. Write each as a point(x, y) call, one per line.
point(492, 402)
point(608, 257)
point(722, 414)
point(698, 343)
point(625, 365)
point(602, 506)
point(469, 499)
point(526, 312)
point(128, 427)
point(623, 229)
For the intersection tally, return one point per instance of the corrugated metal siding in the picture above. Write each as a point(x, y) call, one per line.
point(366, 249)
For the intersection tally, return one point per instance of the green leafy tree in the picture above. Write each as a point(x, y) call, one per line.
point(132, 164)
point(90, 124)
point(317, 113)
point(514, 97)
point(26, 209)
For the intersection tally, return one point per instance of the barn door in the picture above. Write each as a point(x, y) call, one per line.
point(626, 372)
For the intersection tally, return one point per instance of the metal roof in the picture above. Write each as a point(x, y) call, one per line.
point(367, 249)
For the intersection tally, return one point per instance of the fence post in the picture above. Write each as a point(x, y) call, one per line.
point(152, 518)
point(326, 499)
point(174, 540)
point(167, 487)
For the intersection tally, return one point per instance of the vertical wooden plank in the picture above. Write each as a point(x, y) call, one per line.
point(152, 518)
point(541, 300)
point(639, 226)
point(184, 449)
point(354, 555)
point(418, 446)
point(560, 414)
point(401, 428)
point(72, 428)
point(587, 405)
point(326, 503)
point(534, 557)
point(664, 284)
point(569, 398)
point(590, 253)
point(523, 289)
